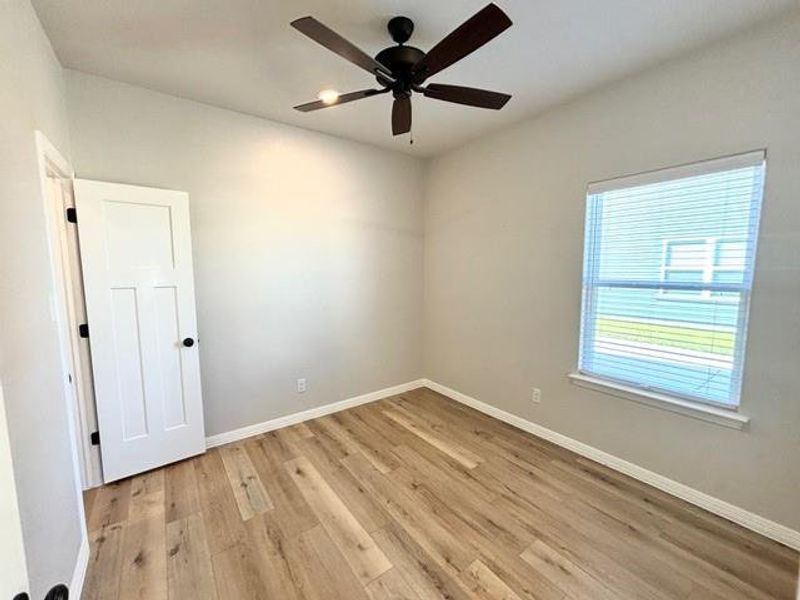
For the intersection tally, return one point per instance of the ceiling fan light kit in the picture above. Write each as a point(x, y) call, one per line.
point(402, 70)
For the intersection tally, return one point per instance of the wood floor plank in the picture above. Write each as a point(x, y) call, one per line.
point(251, 497)
point(182, 498)
point(391, 586)
point(481, 425)
point(566, 575)
point(363, 505)
point(523, 580)
point(291, 511)
point(470, 520)
point(277, 558)
point(103, 570)
point(371, 442)
point(441, 543)
point(581, 533)
point(357, 441)
point(414, 497)
point(147, 483)
point(618, 569)
point(303, 430)
point(731, 558)
point(237, 574)
point(362, 554)
point(146, 506)
point(220, 512)
point(461, 479)
point(674, 510)
point(456, 428)
point(337, 446)
point(144, 570)
point(465, 457)
point(110, 505)
point(485, 584)
point(89, 496)
point(280, 449)
point(422, 571)
point(341, 581)
point(189, 570)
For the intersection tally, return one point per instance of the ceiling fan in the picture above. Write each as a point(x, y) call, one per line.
point(403, 69)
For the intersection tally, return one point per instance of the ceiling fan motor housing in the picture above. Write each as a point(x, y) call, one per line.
point(400, 59)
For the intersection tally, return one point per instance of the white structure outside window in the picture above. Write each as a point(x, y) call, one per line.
point(710, 260)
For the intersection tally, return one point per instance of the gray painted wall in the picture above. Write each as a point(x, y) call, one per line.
point(307, 248)
point(504, 243)
point(33, 98)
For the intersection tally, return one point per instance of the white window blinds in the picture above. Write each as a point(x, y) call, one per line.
point(668, 269)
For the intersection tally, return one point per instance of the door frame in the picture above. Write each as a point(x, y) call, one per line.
point(78, 394)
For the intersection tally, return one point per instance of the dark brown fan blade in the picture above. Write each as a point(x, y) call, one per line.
point(482, 27)
point(336, 43)
point(466, 95)
point(401, 115)
point(342, 99)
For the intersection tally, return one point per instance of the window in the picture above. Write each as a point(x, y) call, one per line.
point(668, 269)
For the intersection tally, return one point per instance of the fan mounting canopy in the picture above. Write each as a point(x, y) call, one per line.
point(400, 28)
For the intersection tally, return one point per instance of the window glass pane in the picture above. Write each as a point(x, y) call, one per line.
point(731, 254)
point(673, 276)
point(666, 282)
point(683, 255)
point(683, 276)
point(727, 278)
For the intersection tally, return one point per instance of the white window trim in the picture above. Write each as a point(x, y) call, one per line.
point(726, 163)
point(730, 418)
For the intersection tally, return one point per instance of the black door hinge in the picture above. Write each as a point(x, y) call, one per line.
point(95, 438)
point(83, 330)
point(72, 215)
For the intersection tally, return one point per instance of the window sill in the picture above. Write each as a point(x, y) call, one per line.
point(711, 414)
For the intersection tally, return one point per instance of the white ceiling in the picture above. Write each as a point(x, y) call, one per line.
point(242, 54)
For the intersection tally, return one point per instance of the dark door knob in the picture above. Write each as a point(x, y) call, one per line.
point(188, 342)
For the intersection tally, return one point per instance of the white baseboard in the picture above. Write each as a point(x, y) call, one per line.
point(79, 574)
point(775, 531)
point(312, 413)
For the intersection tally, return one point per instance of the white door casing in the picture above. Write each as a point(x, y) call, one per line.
point(137, 269)
point(70, 300)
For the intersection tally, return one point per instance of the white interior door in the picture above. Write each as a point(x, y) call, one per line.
point(136, 254)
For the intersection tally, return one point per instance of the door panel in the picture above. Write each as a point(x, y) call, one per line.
point(169, 356)
point(137, 268)
point(127, 347)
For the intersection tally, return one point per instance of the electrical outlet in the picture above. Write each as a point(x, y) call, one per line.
point(536, 396)
point(301, 385)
